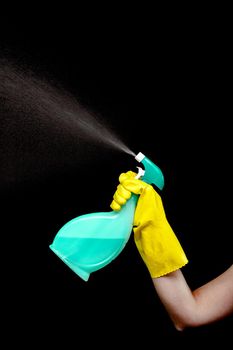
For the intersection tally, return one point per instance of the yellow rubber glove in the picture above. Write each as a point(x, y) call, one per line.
point(153, 236)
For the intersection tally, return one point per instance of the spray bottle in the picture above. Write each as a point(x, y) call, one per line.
point(91, 241)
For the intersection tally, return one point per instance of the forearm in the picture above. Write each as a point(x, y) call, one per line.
point(206, 304)
point(176, 297)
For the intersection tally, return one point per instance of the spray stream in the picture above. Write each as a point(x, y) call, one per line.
point(41, 124)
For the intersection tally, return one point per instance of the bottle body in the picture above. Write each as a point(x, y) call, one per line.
point(91, 241)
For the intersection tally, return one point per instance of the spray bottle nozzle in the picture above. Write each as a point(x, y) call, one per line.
point(152, 173)
point(139, 157)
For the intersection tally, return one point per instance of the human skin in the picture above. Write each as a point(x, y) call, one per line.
point(206, 304)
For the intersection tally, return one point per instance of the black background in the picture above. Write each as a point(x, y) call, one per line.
point(162, 82)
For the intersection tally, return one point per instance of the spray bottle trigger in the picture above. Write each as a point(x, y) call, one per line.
point(140, 173)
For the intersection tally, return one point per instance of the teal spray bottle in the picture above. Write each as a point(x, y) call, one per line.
point(91, 241)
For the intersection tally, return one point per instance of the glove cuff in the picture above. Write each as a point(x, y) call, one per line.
point(163, 254)
point(155, 273)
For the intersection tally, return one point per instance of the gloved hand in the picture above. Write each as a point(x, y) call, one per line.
point(153, 236)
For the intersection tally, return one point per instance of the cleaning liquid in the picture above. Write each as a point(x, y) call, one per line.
point(91, 241)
